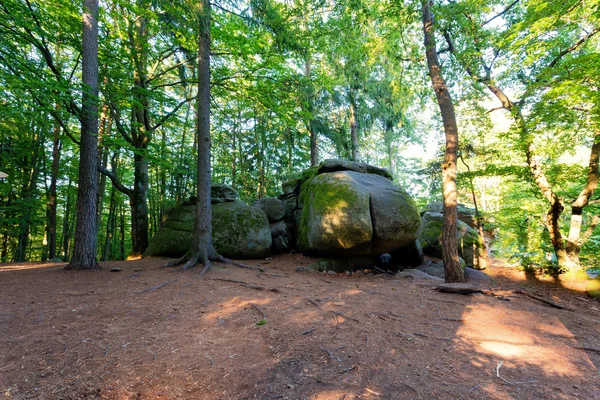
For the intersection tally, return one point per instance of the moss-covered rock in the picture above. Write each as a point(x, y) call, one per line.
point(335, 217)
point(350, 213)
point(471, 246)
point(239, 231)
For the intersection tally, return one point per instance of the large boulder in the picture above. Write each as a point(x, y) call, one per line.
point(471, 246)
point(347, 212)
point(239, 231)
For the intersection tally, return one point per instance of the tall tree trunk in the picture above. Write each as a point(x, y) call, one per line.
point(452, 269)
point(390, 146)
point(52, 203)
point(110, 222)
point(310, 103)
point(103, 131)
point(353, 128)
point(574, 241)
point(202, 250)
point(84, 253)
point(66, 230)
point(122, 236)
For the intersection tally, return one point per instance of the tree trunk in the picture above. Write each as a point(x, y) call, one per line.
point(103, 160)
point(353, 128)
point(110, 222)
point(310, 103)
point(52, 203)
point(574, 241)
point(139, 207)
point(452, 269)
point(84, 253)
point(202, 250)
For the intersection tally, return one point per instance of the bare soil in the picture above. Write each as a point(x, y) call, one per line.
point(149, 332)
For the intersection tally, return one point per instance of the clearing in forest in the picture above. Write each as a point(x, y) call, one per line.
point(148, 332)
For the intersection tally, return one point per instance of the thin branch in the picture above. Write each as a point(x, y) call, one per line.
point(574, 47)
point(166, 117)
point(507, 9)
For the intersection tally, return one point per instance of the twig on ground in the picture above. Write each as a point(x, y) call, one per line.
point(587, 348)
point(154, 288)
point(313, 302)
point(540, 299)
point(331, 355)
point(311, 330)
point(257, 308)
point(246, 284)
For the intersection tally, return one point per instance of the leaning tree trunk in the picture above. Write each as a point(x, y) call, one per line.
point(84, 253)
point(452, 269)
point(353, 129)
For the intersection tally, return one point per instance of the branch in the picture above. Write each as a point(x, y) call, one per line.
point(172, 112)
point(514, 3)
point(573, 47)
point(115, 181)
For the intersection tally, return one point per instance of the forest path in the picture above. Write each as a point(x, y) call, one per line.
point(148, 332)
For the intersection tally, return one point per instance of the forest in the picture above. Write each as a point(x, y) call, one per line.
point(293, 83)
point(390, 199)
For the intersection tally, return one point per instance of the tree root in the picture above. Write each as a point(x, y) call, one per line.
point(191, 259)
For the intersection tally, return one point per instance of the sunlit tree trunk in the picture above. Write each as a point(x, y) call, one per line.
point(574, 241)
point(452, 269)
point(84, 252)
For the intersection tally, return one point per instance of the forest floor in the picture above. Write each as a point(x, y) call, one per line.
point(148, 332)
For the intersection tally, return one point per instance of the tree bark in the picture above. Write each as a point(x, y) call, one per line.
point(84, 252)
point(310, 104)
point(353, 128)
point(52, 203)
point(574, 241)
point(452, 269)
point(202, 250)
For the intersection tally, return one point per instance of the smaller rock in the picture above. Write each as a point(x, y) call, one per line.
point(416, 274)
point(458, 288)
point(272, 206)
point(115, 270)
point(222, 193)
point(477, 277)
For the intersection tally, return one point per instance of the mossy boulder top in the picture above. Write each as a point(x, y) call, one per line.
point(355, 213)
point(333, 165)
point(239, 231)
point(471, 246)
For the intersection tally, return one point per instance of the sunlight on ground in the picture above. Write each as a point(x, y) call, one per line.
point(26, 266)
point(231, 307)
point(506, 338)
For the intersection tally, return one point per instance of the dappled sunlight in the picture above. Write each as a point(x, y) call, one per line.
point(232, 306)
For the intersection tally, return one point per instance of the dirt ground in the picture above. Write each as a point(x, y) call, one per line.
point(148, 332)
